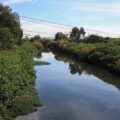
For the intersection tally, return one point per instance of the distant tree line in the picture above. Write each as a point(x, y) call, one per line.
point(78, 35)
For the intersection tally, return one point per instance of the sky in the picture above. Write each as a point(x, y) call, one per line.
point(102, 15)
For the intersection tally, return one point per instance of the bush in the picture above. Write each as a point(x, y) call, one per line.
point(115, 41)
point(62, 43)
point(105, 55)
point(38, 45)
point(86, 50)
point(60, 36)
point(94, 39)
point(117, 66)
point(6, 38)
point(100, 54)
point(17, 75)
point(24, 102)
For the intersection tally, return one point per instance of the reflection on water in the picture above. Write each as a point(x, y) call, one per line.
point(74, 68)
point(70, 90)
point(78, 67)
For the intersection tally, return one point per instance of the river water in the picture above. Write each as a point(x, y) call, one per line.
point(70, 90)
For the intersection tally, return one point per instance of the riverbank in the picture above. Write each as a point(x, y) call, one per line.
point(17, 88)
point(104, 55)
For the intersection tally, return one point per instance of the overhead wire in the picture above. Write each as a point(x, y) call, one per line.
point(63, 26)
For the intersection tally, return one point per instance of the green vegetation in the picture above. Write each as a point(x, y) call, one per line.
point(17, 75)
point(93, 49)
point(9, 26)
point(95, 39)
point(6, 38)
point(77, 67)
point(35, 38)
point(38, 45)
point(17, 79)
point(76, 34)
point(59, 36)
point(105, 55)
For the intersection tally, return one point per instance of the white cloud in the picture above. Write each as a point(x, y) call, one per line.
point(110, 30)
point(9, 2)
point(41, 29)
point(107, 9)
point(94, 18)
point(52, 30)
point(111, 7)
point(87, 5)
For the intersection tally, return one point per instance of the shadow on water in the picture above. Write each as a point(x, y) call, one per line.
point(77, 67)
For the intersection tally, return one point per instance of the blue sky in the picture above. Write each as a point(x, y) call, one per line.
point(101, 15)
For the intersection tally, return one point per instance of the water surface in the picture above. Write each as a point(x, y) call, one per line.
point(70, 90)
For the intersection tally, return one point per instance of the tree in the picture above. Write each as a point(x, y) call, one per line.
point(60, 36)
point(37, 37)
point(82, 32)
point(6, 38)
point(10, 20)
point(77, 33)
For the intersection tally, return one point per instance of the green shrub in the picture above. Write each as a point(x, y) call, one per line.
point(86, 50)
point(6, 38)
point(62, 43)
point(24, 102)
point(60, 36)
point(17, 74)
point(117, 66)
point(94, 39)
point(105, 55)
point(115, 41)
point(38, 45)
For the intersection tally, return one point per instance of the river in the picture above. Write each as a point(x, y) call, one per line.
point(71, 90)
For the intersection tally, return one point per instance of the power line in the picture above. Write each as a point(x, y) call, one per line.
point(38, 32)
point(97, 31)
point(29, 31)
point(55, 24)
point(50, 22)
point(33, 35)
point(42, 32)
point(46, 23)
point(38, 22)
point(28, 35)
